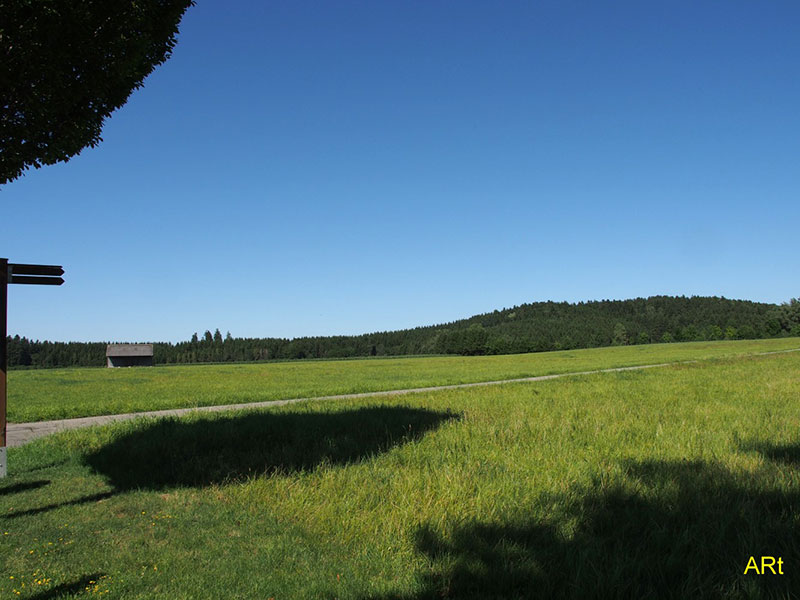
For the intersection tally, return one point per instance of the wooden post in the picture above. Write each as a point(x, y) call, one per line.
point(3, 361)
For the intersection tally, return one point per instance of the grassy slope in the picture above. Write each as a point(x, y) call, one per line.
point(58, 394)
point(658, 483)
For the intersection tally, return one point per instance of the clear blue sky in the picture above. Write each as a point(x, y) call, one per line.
point(313, 168)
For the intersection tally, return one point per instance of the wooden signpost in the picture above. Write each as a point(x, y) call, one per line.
point(25, 274)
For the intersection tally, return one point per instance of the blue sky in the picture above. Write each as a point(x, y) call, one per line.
point(313, 168)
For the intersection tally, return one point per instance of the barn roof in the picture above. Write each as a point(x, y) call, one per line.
point(129, 350)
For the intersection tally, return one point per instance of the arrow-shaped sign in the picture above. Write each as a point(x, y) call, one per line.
point(36, 280)
point(17, 269)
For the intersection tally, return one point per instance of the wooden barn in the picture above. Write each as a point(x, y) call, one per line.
point(129, 355)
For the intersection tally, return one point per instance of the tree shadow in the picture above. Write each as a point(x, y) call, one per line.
point(180, 453)
point(687, 531)
point(786, 454)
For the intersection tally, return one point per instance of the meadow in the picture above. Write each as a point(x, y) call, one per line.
point(36, 395)
point(641, 484)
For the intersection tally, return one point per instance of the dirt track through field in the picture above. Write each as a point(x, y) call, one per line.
point(18, 434)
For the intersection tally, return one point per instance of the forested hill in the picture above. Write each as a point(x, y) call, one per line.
point(535, 327)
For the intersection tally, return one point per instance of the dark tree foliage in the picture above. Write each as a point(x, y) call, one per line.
point(788, 317)
point(536, 327)
point(66, 65)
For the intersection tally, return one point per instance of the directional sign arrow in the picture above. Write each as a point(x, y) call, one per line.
point(17, 269)
point(36, 280)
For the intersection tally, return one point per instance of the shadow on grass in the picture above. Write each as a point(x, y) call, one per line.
point(49, 507)
point(786, 454)
point(84, 584)
point(22, 487)
point(175, 453)
point(687, 531)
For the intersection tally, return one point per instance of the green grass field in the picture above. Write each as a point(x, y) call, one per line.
point(648, 484)
point(37, 395)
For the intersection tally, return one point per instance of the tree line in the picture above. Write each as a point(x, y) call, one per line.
point(534, 327)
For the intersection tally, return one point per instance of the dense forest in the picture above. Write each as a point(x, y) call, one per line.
point(536, 327)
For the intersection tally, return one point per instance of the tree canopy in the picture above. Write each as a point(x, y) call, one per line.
point(67, 65)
